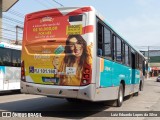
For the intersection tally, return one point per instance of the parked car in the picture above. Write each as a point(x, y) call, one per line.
point(158, 78)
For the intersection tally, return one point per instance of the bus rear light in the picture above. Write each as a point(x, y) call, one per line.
point(87, 71)
point(23, 71)
point(84, 81)
point(86, 76)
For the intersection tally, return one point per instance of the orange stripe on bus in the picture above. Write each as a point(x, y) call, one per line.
point(101, 65)
point(87, 29)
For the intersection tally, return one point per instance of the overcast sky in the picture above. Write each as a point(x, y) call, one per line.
point(138, 21)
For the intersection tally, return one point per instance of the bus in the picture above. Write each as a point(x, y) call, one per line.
point(73, 53)
point(10, 66)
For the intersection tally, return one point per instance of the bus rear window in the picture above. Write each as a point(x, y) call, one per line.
point(75, 18)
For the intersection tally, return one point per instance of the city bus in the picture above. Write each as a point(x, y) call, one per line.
point(73, 53)
point(10, 66)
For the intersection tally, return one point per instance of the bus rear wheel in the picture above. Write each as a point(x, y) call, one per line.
point(120, 95)
point(141, 86)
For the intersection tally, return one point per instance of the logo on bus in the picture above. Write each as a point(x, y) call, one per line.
point(46, 51)
point(39, 56)
point(46, 19)
point(107, 68)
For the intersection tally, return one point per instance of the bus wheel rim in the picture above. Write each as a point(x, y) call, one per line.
point(120, 96)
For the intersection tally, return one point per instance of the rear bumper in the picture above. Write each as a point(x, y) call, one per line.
point(78, 92)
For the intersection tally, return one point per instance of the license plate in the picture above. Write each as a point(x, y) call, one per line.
point(42, 70)
point(53, 80)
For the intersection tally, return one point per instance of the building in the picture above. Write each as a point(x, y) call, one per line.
point(153, 62)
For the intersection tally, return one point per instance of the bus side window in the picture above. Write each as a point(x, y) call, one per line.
point(99, 52)
point(113, 47)
point(100, 39)
point(143, 67)
point(107, 44)
point(16, 56)
point(1, 56)
point(6, 56)
point(137, 60)
point(119, 50)
point(140, 62)
point(123, 52)
point(126, 55)
point(129, 56)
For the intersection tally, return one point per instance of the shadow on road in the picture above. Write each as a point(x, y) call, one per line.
point(11, 92)
point(55, 107)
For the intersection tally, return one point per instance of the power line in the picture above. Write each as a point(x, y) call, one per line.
point(58, 3)
point(49, 2)
point(12, 19)
point(16, 12)
point(13, 22)
point(42, 4)
point(6, 24)
point(11, 38)
point(7, 34)
point(9, 30)
point(10, 34)
point(5, 38)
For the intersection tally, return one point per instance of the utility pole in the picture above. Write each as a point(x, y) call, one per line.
point(148, 61)
point(148, 54)
point(17, 27)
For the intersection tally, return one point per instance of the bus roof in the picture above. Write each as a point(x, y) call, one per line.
point(7, 45)
point(63, 10)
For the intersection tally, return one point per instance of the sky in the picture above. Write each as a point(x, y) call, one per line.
point(137, 21)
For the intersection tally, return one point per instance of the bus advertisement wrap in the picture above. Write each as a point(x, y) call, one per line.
point(56, 51)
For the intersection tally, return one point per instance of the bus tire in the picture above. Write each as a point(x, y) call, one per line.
point(120, 95)
point(136, 94)
point(141, 86)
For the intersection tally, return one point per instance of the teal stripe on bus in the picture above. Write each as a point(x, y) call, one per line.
point(114, 72)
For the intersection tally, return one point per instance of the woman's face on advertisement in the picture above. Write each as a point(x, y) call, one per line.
point(76, 48)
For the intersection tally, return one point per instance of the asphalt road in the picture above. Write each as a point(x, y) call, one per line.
point(148, 100)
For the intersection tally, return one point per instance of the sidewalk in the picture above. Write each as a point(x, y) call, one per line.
point(151, 78)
